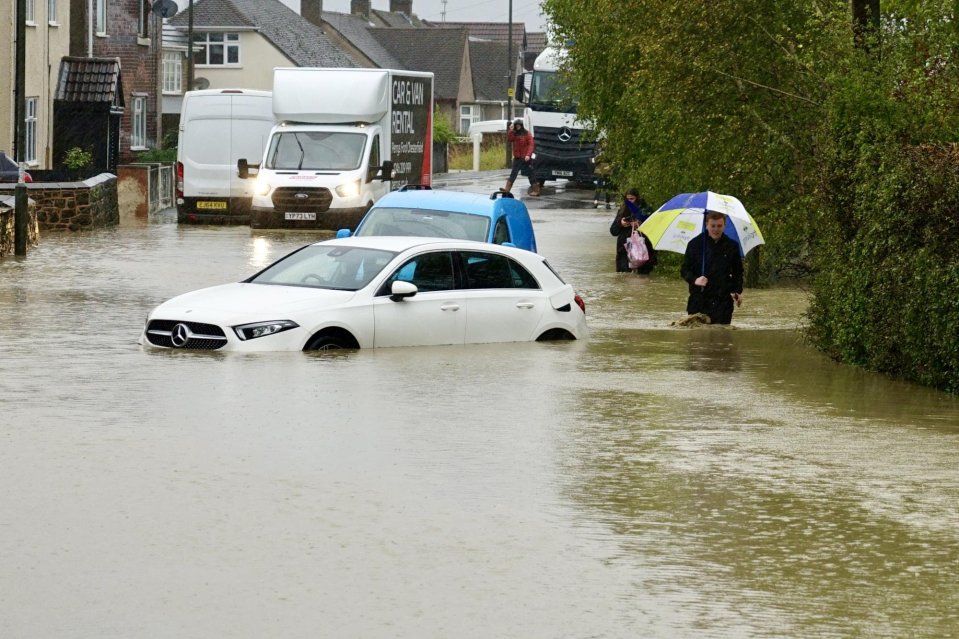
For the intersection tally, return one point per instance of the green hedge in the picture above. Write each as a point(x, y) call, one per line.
point(887, 293)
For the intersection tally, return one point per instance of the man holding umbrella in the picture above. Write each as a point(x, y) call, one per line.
point(713, 267)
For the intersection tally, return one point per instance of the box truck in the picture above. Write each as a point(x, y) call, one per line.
point(343, 139)
point(217, 128)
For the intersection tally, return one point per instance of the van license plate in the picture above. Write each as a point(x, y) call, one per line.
point(563, 173)
point(291, 215)
point(211, 205)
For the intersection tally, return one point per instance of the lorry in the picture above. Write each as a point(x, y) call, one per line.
point(217, 128)
point(565, 146)
point(343, 138)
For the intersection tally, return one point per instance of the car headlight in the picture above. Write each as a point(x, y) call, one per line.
point(262, 329)
point(350, 189)
point(261, 187)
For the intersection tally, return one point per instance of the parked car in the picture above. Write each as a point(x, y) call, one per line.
point(498, 218)
point(364, 292)
point(9, 171)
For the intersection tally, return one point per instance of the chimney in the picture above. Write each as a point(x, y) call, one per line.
point(402, 6)
point(360, 8)
point(312, 10)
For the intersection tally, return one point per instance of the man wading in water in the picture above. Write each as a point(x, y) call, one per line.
point(714, 270)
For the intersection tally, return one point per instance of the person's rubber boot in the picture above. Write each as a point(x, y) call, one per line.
point(508, 186)
point(534, 189)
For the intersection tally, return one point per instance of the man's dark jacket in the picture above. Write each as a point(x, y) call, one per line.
point(724, 270)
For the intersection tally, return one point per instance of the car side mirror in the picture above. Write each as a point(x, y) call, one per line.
point(343, 233)
point(386, 171)
point(401, 290)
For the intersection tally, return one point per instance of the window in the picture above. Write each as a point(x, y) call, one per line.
point(138, 136)
point(374, 159)
point(172, 72)
point(143, 22)
point(217, 49)
point(101, 25)
point(30, 11)
point(52, 11)
point(501, 232)
point(468, 115)
point(30, 119)
point(428, 272)
point(489, 270)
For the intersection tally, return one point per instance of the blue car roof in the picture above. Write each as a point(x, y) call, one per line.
point(472, 203)
point(456, 201)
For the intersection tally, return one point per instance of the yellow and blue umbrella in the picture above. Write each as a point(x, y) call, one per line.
point(683, 217)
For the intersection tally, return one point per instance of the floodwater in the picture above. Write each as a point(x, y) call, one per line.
point(651, 482)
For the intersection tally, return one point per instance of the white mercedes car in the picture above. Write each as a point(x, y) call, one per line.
point(364, 292)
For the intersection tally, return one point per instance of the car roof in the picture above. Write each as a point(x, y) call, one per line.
point(402, 243)
point(440, 200)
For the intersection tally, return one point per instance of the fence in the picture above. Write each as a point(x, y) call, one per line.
point(145, 188)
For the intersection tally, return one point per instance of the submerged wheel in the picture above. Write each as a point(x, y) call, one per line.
point(332, 339)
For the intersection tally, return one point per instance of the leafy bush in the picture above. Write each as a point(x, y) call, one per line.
point(77, 159)
point(442, 128)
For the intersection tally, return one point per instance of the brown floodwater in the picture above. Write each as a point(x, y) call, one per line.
point(653, 481)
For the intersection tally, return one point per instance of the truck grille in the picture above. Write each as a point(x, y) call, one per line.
point(550, 141)
point(313, 199)
point(186, 335)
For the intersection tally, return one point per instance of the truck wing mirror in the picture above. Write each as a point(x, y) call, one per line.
point(245, 169)
point(386, 171)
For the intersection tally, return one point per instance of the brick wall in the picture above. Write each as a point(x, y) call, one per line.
point(139, 64)
point(7, 229)
point(74, 206)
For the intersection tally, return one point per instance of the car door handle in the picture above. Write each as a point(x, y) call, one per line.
point(450, 307)
point(525, 305)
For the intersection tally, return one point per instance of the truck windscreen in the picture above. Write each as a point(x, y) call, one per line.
point(549, 92)
point(316, 150)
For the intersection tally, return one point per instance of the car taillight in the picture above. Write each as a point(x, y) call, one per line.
point(26, 177)
point(580, 303)
point(179, 179)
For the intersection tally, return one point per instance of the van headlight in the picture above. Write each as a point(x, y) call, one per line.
point(350, 189)
point(261, 187)
point(262, 329)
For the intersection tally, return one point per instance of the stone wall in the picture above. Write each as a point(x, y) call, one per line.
point(7, 230)
point(76, 206)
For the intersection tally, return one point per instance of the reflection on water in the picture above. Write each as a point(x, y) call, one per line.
point(655, 481)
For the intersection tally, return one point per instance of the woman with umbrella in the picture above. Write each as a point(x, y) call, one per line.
point(713, 267)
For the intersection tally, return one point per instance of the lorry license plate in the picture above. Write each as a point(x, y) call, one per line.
point(211, 205)
point(563, 173)
point(291, 215)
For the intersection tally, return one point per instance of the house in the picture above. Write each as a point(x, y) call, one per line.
point(47, 40)
point(128, 31)
point(237, 43)
point(443, 52)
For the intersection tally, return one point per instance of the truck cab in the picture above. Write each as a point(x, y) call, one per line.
point(565, 147)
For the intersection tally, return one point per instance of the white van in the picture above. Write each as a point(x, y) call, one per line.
point(217, 127)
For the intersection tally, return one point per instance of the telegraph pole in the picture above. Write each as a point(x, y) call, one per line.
point(509, 79)
point(20, 105)
point(189, 49)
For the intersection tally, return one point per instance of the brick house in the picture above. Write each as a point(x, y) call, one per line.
point(129, 31)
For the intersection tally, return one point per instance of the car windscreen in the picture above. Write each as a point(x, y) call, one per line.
point(342, 268)
point(316, 150)
point(424, 223)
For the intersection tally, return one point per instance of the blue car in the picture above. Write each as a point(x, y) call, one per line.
point(420, 211)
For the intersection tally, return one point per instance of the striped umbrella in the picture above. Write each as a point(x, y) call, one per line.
point(684, 217)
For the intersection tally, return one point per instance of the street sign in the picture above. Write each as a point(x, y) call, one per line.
point(510, 92)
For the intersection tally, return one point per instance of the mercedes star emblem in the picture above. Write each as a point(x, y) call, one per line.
point(180, 335)
point(565, 135)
